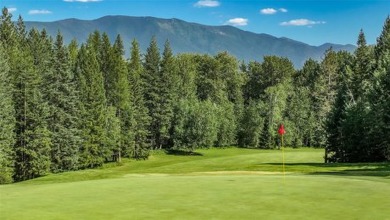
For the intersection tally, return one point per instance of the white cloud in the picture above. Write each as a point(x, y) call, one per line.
point(207, 3)
point(301, 22)
point(10, 10)
point(283, 10)
point(237, 22)
point(39, 12)
point(268, 11)
point(271, 11)
point(83, 0)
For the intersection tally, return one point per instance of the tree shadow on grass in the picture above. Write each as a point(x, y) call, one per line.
point(373, 172)
point(183, 153)
point(344, 169)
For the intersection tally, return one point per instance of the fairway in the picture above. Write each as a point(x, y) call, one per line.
point(212, 184)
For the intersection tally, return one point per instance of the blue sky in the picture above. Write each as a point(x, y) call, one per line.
point(311, 21)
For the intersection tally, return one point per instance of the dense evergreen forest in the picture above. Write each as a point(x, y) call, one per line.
point(77, 106)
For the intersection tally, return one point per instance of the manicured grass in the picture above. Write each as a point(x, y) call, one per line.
point(230, 183)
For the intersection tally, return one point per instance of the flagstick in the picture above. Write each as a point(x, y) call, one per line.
point(284, 171)
point(281, 131)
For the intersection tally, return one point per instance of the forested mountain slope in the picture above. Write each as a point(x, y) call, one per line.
point(189, 37)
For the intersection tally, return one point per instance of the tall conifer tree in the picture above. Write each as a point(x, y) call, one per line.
point(362, 69)
point(93, 109)
point(7, 122)
point(105, 59)
point(335, 150)
point(33, 138)
point(8, 33)
point(141, 119)
point(63, 121)
point(151, 84)
point(122, 96)
point(73, 49)
point(381, 102)
point(168, 86)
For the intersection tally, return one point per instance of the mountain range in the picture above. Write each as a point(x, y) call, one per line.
point(186, 37)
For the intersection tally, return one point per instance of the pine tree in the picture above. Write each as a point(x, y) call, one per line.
point(141, 119)
point(381, 94)
point(10, 41)
point(63, 120)
point(266, 140)
point(33, 142)
point(8, 35)
point(335, 150)
point(105, 59)
point(121, 96)
point(362, 69)
point(73, 50)
point(7, 122)
point(167, 90)
point(359, 140)
point(114, 133)
point(383, 42)
point(95, 43)
point(21, 28)
point(93, 151)
point(151, 81)
point(352, 126)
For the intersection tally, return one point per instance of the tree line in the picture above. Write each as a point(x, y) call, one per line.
point(69, 107)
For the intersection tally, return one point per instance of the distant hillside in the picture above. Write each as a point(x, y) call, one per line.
point(189, 37)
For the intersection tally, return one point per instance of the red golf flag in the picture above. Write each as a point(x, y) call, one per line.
point(281, 130)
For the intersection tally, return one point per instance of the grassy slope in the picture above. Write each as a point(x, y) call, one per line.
point(185, 187)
